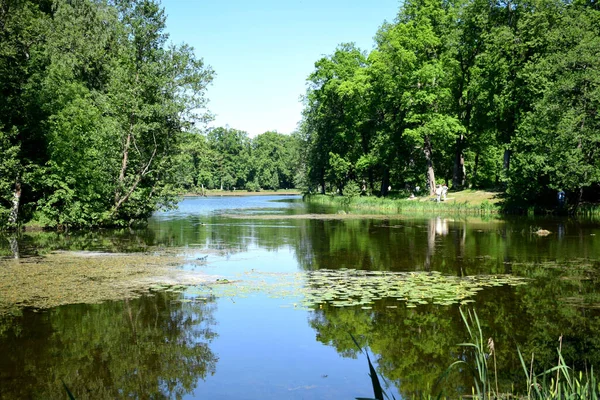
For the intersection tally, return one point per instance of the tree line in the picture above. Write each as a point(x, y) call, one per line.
point(472, 93)
point(228, 159)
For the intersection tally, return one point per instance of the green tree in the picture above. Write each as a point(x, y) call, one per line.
point(231, 149)
point(95, 101)
point(416, 75)
point(334, 118)
point(557, 146)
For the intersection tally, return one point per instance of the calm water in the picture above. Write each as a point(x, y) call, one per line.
point(253, 348)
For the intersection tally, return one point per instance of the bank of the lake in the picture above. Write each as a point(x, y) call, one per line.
point(465, 201)
point(242, 192)
point(470, 201)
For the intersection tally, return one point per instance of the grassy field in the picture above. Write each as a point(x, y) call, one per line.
point(466, 201)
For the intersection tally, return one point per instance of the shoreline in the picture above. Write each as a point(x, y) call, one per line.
point(235, 193)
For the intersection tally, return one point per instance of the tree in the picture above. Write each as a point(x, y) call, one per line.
point(333, 116)
point(231, 148)
point(558, 142)
point(417, 77)
point(96, 103)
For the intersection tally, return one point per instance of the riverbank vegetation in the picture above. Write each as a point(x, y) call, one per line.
point(463, 202)
point(469, 93)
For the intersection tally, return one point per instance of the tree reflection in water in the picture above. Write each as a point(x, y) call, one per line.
point(151, 347)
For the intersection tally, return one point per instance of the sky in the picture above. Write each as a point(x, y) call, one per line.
point(262, 51)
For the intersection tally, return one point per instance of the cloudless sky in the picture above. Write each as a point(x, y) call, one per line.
point(263, 50)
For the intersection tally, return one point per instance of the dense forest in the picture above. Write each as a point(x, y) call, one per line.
point(103, 121)
point(472, 93)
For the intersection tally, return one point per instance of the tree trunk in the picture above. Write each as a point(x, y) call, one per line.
point(13, 217)
point(121, 199)
point(371, 180)
point(124, 162)
point(430, 173)
point(506, 163)
point(385, 182)
point(458, 176)
point(322, 181)
point(475, 168)
point(579, 198)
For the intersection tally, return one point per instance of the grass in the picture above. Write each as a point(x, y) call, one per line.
point(589, 210)
point(463, 202)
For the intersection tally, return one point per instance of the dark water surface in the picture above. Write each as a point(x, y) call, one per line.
point(251, 347)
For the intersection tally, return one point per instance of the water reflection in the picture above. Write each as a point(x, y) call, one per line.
point(414, 347)
point(14, 247)
point(153, 347)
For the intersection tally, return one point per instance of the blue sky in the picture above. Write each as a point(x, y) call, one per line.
point(263, 50)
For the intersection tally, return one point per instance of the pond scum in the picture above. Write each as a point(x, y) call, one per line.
point(61, 278)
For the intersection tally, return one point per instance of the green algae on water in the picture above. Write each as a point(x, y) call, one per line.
point(61, 278)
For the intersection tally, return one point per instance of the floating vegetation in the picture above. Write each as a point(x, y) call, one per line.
point(89, 277)
point(350, 287)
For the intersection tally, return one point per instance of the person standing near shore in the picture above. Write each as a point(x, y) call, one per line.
point(438, 193)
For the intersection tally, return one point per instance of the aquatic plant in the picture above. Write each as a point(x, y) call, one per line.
point(480, 369)
point(61, 278)
point(351, 287)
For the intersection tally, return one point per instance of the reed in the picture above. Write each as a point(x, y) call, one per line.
point(403, 206)
point(558, 382)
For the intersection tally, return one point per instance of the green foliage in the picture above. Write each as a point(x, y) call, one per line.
point(94, 102)
point(9, 171)
point(485, 95)
point(253, 186)
point(226, 158)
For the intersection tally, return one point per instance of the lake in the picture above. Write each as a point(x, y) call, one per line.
point(291, 291)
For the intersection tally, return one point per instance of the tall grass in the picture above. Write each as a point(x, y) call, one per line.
point(480, 369)
point(588, 210)
point(401, 206)
point(558, 382)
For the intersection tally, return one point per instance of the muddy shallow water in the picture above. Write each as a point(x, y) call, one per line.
point(286, 292)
